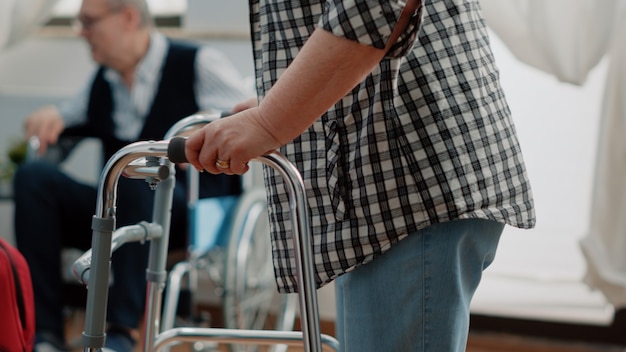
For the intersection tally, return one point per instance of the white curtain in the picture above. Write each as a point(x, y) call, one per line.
point(19, 18)
point(567, 38)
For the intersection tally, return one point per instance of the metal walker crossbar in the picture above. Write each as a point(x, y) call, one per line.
point(153, 161)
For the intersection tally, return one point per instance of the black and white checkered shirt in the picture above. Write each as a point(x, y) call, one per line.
point(426, 138)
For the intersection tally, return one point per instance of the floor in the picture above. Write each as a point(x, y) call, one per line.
point(498, 343)
point(477, 342)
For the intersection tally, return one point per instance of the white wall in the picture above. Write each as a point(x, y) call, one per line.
point(538, 273)
point(217, 16)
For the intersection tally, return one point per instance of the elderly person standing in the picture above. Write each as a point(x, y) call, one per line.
point(394, 114)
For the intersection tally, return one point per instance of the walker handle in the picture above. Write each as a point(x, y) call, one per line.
point(176, 150)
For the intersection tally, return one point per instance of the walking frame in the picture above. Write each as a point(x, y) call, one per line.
point(153, 161)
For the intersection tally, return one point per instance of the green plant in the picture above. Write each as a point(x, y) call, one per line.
point(17, 151)
point(7, 169)
point(15, 156)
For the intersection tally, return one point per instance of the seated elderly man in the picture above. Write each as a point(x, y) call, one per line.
point(145, 82)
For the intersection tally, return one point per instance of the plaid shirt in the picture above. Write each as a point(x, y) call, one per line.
point(427, 137)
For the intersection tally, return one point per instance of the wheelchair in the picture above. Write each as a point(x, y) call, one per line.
point(248, 297)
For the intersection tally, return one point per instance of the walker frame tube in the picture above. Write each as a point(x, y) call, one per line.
point(104, 225)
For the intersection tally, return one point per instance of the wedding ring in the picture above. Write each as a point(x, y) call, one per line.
point(222, 164)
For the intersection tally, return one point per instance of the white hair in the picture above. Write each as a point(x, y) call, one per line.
point(140, 5)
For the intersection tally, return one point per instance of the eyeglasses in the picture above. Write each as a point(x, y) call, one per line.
point(87, 23)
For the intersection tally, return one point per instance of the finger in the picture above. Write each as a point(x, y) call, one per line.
point(225, 166)
point(239, 107)
point(228, 172)
point(239, 168)
point(43, 141)
point(30, 131)
point(43, 146)
point(207, 156)
point(245, 105)
point(47, 133)
point(193, 146)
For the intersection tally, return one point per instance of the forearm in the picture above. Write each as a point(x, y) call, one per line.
point(324, 71)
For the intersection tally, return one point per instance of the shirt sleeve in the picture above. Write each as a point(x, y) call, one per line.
point(371, 23)
point(74, 110)
point(219, 86)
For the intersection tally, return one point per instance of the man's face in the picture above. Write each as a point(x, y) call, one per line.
point(103, 29)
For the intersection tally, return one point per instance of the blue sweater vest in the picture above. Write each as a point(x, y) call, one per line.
point(174, 99)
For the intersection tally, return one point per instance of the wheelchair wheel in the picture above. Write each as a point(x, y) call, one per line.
point(251, 299)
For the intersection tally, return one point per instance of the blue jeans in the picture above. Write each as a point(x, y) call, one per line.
point(416, 296)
